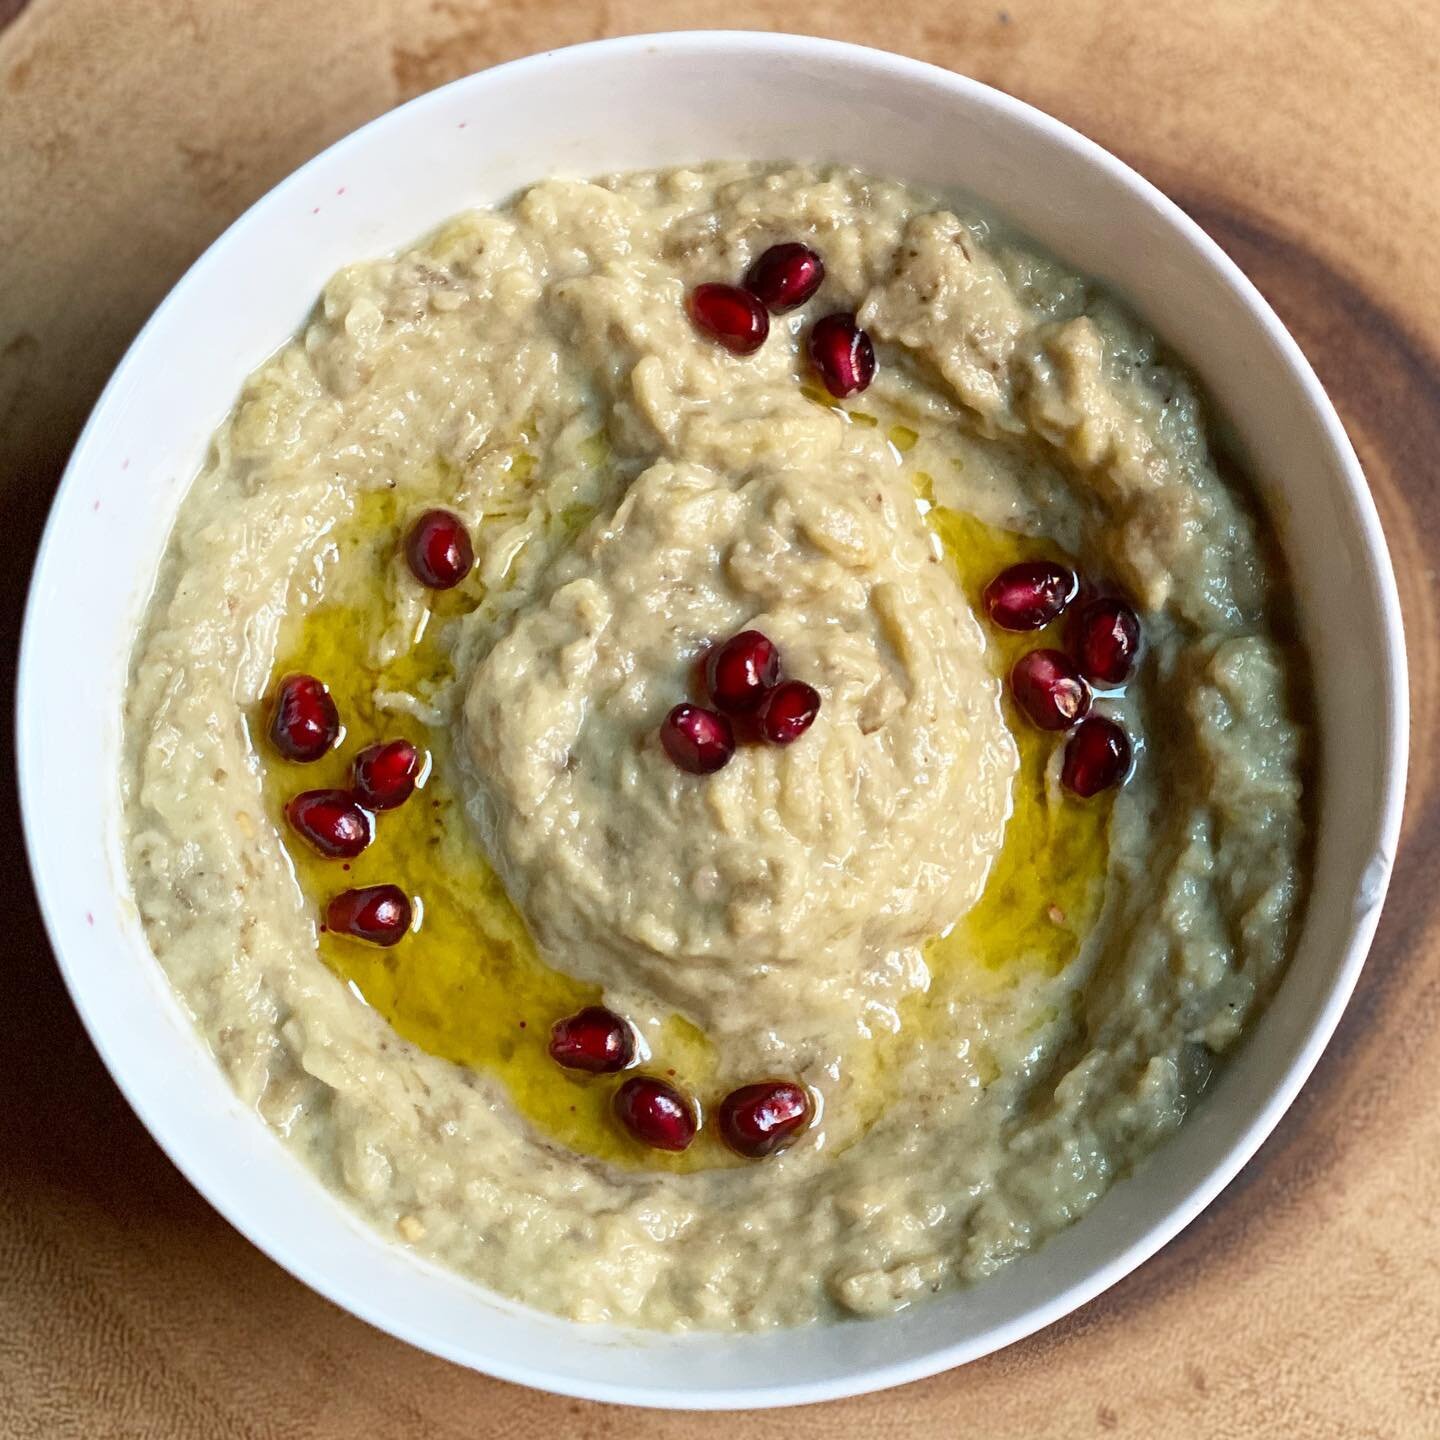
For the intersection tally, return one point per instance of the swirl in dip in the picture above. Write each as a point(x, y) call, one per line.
point(992, 988)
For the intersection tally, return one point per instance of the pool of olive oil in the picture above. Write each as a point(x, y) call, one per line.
point(468, 985)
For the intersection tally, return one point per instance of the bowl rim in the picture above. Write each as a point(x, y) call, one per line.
point(1080, 149)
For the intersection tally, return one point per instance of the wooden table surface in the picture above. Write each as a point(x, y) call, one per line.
point(1306, 1302)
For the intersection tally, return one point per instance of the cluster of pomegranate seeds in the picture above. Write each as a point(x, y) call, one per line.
point(379, 914)
point(782, 279)
point(339, 824)
point(842, 354)
point(656, 1113)
point(1052, 687)
point(438, 550)
point(331, 822)
point(304, 723)
point(1049, 689)
point(754, 1121)
point(594, 1039)
point(1030, 595)
point(699, 741)
point(757, 1120)
point(731, 316)
point(383, 775)
point(785, 276)
point(743, 679)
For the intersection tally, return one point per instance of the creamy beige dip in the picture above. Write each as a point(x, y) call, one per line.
point(786, 908)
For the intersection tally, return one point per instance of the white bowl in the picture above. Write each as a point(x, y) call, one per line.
point(618, 105)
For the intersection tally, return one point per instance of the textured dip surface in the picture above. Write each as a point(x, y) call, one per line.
point(1001, 997)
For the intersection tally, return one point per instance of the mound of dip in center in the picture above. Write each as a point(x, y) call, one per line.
point(774, 901)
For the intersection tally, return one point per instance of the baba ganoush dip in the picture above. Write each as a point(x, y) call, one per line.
point(707, 806)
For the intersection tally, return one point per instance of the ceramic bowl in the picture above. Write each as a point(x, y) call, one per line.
point(616, 105)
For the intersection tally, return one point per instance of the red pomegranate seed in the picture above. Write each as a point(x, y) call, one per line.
point(331, 821)
point(379, 914)
point(1030, 595)
point(384, 774)
point(1097, 756)
point(1105, 641)
point(841, 351)
point(594, 1039)
point(304, 723)
point(789, 711)
point(741, 672)
point(655, 1113)
point(756, 1120)
point(730, 315)
point(1049, 689)
point(697, 740)
point(439, 550)
point(785, 276)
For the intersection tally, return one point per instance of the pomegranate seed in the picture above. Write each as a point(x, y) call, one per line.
point(1049, 689)
point(331, 821)
point(655, 1113)
point(697, 740)
point(1097, 756)
point(595, 1039)
point(841, 351)
point(789, 711)
point(384, 775)
point(439, 550)
point(785, 276)
point(730, 315)
point(379, 914)
point(304, 723)
point(741, 672)
point(1105, 641)
point(757, 1120)
point(1030, 595)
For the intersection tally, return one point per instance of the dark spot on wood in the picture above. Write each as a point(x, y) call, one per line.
point(18, 358)
point(20, 74)
point(218, 174)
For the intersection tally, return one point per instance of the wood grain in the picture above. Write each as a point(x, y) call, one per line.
point(1306, 1302)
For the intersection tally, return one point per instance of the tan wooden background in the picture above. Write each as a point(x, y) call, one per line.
point(1304, 135)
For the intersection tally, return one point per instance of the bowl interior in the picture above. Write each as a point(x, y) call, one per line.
point(653, 101)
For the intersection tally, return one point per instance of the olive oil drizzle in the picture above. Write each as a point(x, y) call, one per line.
point(468, 984)
point(1045, 890)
